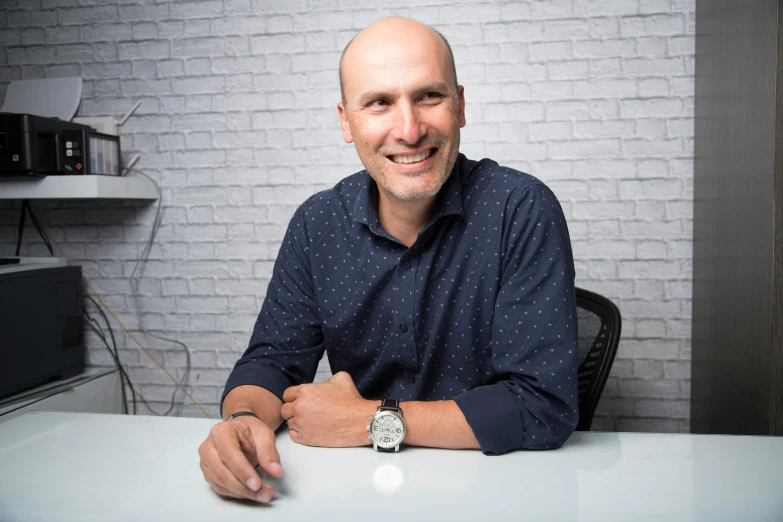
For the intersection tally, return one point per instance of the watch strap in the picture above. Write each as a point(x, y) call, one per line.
point(389, 404)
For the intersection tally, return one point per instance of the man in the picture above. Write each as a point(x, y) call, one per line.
point(430, 279)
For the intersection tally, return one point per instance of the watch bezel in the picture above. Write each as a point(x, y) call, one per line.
point(384, 413)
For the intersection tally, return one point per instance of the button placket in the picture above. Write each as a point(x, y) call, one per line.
point(407, 281)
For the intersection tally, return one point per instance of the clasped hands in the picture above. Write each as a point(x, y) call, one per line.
point(331, 414)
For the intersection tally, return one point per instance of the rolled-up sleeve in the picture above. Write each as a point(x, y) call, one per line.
point(532, 399)
point(287, 341)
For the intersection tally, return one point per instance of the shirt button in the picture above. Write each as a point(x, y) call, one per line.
point(406, 266)
point(403, 327)
point(411, 379)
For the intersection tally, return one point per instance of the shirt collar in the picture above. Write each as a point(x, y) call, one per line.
point(449, 202)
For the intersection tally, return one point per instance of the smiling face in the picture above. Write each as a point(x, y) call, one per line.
point(402, 108)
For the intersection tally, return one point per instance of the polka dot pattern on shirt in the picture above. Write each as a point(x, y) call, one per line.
point(480, 309)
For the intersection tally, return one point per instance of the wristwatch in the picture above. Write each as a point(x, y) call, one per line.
point(387, 428)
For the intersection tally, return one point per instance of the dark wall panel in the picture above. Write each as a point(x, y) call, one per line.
point(737, 198)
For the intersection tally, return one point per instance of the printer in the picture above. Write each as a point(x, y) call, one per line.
point(38, 146)
point(41, 324)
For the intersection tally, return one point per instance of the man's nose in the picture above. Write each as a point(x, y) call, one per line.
point(408, 124)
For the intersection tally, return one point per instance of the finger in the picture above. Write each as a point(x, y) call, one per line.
point(290, 394)
point(205, 471)
point(224, 482)
point(223, 492)
point(232, 457)
point(219, 489)
point(263, 496)
point(302, 438)
point(266, 453)
point(287, 411)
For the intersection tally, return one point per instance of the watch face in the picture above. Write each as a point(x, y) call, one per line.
point(387, 429)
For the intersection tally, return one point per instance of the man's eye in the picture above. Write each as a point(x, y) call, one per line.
point(379, 103)
point(432, 96)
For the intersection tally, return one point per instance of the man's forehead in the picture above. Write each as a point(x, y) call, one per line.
point(393, 55)
point(394, 29)
point(380, 54)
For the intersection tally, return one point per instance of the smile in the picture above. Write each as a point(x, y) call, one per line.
point(411, 158)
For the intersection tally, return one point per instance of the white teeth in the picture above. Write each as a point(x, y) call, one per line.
point(413, 158)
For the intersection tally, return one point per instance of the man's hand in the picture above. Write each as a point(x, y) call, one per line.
point(329, 414)
point(230, 454)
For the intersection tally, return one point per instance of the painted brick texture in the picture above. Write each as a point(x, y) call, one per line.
point(238, 124)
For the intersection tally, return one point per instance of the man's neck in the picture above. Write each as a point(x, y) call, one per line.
point(404, 219)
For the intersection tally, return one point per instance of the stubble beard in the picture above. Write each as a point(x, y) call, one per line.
point(400, 191)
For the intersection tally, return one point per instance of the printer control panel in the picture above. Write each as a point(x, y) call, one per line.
point(74, 151)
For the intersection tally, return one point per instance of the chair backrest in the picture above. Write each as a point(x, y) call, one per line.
point(599, 325)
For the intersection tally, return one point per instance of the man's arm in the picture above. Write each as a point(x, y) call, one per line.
point(260, 401)
point(437, 424)
point(532, 400)
point(333, 414)
point(284, 350)
point(287, 340)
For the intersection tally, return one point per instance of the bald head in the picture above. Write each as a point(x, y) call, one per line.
point(389, 31)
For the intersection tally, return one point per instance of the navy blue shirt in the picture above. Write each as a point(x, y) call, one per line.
point(480, 309)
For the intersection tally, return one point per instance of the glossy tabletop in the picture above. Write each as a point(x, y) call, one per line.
point(72, 466)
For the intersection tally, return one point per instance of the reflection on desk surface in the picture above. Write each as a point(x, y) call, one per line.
point(114, 467)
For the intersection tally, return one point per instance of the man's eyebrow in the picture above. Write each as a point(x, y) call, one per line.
point(376, 95)
point(371, 96)
point(434, 86)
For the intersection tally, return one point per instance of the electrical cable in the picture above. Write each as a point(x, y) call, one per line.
point(27, 208)
point(134, 282)
point(37, 225)
point(139, 343)
point(144, 348)
point(102, 337)
point(115, 354)
point(134, 290)
point(20, 232)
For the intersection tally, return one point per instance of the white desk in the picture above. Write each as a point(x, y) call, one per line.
point(74, 466)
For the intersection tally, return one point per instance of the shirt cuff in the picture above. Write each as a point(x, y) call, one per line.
point(256, 375)
point(494, 417)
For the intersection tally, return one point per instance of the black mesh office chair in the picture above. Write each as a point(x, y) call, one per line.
point(599, 326)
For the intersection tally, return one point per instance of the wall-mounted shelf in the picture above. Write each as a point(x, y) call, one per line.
point(78, 187)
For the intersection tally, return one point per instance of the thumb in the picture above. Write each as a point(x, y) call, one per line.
point(266, 453)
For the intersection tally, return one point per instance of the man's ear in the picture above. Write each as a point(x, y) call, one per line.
point(461, 94)
point(347, 136)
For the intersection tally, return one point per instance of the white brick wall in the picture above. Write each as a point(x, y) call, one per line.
point(239, 125)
